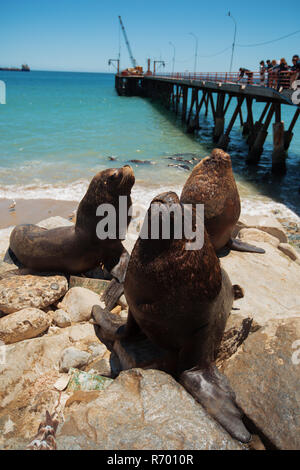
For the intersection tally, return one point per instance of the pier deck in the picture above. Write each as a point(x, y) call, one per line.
point(186, 94)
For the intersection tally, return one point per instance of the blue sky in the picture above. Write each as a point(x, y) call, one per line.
point(81, 35)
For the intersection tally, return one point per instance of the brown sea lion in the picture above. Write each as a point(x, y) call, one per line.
point(212, 183)
point(77, 249)
point(181, 299)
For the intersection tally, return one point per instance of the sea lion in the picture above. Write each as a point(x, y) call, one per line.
point(212, 183)
point(181, 299)
point(77, 249)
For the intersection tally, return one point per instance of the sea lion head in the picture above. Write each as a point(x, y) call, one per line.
point(209, 181)
point(218, 159)
point(105, 188)
point(162, 211)
point(111, 183)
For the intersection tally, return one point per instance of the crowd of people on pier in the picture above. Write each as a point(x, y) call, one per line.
point(274, 74)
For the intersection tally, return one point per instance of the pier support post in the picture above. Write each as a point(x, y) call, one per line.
point(225, 139)
point(279, 152)
point(288, 135)
point(257, 127)
point(184, 103)
point(191, 122)
point(206, 104)
point(258, 145)
point(219, 120)
point(248, 125)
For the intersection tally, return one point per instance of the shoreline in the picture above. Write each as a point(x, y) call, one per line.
point(32, 211)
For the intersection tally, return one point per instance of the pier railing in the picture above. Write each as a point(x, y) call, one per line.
point(272, 79)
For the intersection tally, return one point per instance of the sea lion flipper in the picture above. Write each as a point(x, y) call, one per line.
point(112, 293)
point(212, 390)
point(119, 271)
point(108, 322)
point(238, 245)
point(115, 289)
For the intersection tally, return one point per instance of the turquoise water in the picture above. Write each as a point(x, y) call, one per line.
point(58, 129)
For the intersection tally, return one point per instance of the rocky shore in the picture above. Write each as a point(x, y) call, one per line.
point(52, 358)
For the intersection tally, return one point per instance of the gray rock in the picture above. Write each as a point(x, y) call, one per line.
point(265, 373)
point(72, 357)
point(61, 319)
point(23, 291)
point(142, 409)
point(24, 324)
point(78, 303)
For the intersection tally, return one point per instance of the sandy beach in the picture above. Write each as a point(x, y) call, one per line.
point(31, 211)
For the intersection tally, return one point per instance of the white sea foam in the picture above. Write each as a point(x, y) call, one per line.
point(142, 193)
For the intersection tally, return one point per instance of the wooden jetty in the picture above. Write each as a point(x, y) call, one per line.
point(187, 94)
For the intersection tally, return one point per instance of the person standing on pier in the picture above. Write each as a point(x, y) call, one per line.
point(295, 68)
point(248, 73)
point(284, 76)
point(262, 69)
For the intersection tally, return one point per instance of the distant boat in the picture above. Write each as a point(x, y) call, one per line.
point(24, 68)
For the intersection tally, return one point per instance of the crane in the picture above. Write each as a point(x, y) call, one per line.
point(133, 61)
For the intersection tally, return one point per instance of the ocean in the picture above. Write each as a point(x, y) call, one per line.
point(58, 129)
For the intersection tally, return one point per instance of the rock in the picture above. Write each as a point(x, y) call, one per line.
point(289, 251)
point(251, 235)
point(4, 240)
point(142, 409)
point(266, 224)
point(4, 268)
point(264, 374)
point(72, 357)
point(62, 383)
point(97, 350)
point(124, 314)
point(107, 365)
point(96, 285)
point(78, 303)
point(30, 369)
point(271, 283)
point(24, 324)
point(83, 396)
point(123, 302)
point(55, 222)
point(61, 319)
point(19, 292)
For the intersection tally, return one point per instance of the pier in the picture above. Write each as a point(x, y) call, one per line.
point(187, 94)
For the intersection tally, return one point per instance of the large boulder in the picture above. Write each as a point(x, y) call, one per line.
point(23, 291)
point(265, 375)
point(265, 223)
point(271, 281)
point(28, 370)
point(78, 303)
point(24, 324)
point(142, 409)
